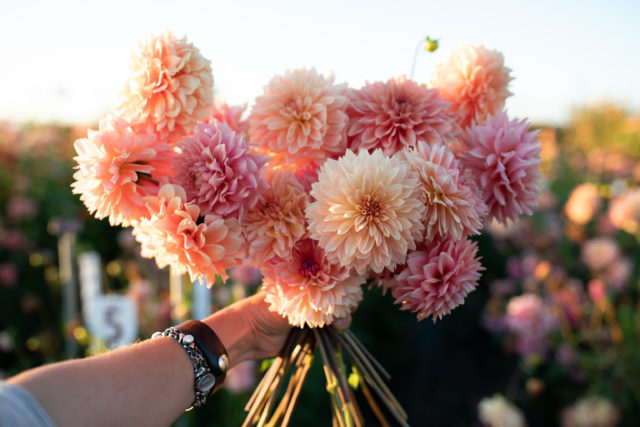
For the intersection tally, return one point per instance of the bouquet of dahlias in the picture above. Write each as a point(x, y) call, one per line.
point(324, 189)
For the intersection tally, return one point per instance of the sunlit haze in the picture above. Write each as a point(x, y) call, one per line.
point(67, 61)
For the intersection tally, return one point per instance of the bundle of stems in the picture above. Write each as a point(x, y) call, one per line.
point(295, 360)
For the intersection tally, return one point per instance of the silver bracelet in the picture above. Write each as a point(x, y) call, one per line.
point(203, 379)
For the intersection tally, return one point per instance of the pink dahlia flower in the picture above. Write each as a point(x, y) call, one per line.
point(300, 118)
point(453, 204)
point(274, 225)
point(170, 88)
point(396, 114)
point(600, 252)
point(309, 290)
point(532, 321)
point(178, 236)
point(118, 168)
point(474, 80)
point(503, 157)
point(438, 279)
point(218, 172)
point(624, 211)
point(231, 116)
point(591, 411)
point(368, 212)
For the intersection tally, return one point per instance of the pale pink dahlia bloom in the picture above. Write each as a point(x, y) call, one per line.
point(474, 80)
point(532, 321)
point(503, 157)
point(170, 88)
point(178, 236)
point(218, 171)
point(231, 115)
point(453, 204)
point(496, 411)
point(438, 279)
point(274, 225)
point(309, 290)
point(600, 252)
point(583, 203)
point(396, 114)
point(624, 211)
point(368, 211)
point(117, 168)
point(300, 118)
point(592, 411)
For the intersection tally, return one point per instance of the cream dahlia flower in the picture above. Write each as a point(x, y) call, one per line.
point(170, 88)
point(274, 225)
point(396, 115)
point(583, 203)
point(624, 211)
point(474, 79)
point(178, 236)
point(453, 205)
point(118, 168)
point(368, 212)
point(496, 411)
point(300, 118)
point(309, 290)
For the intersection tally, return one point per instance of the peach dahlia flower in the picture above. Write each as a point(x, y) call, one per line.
point(178, 236)
point(170, 88)
point(309, 290)
point(300, 118)
point(474, 79)
point(368, 212)
point(276, 222)
point(118, 168)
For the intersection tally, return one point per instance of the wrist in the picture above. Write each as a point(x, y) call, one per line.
point(234, 331)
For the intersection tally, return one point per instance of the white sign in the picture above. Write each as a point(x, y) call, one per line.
point(201, 295)
point(113, 319)
point(90, 280)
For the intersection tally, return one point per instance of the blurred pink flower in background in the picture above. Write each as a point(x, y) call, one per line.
point(245, 275)
point(170, 88)
point(368, 212)
point(218, 172)
point(597, 290)
point(438, 279)
point(20, 208)
point(8, 275)
point(300, 118)
point(531, 320)
point(454, 208)
point(13, 239)
point(503, 156)
point(617, 274)
point(501, 288)
point(117, 168)
point(274, 225)
point(241, 378)
point(583, 203)
point(231, 116)
point(475, 80)
point(598, 253)
point(176, 235)
point(593, 411)
point(396, 115)
point(624, 211)
point(308, 289)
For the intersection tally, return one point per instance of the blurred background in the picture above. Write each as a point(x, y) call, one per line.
point(554, 325)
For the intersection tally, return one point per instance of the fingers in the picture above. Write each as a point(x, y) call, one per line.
point(342, 323)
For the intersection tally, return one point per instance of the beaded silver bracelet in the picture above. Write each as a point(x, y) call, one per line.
point(203, 379)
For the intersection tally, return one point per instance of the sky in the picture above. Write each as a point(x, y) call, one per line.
point(66, 61)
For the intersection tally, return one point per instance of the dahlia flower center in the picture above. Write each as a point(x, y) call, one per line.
point(295, 109)
point(309, 268)
point(370, 209)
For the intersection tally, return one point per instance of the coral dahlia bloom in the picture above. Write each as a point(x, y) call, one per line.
point(218, 172)
point(453, 209)
point(309, 290)
point(232, 116)
point(117, 168)
point(438, 279)
point(396, 114)
point(170, 88)
point(300, 118)
point(474, 79)
point(178, 236)
point(368, 211)
point(274, 225)
point(583, 203)
point(624, 211)
point(503, 157)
